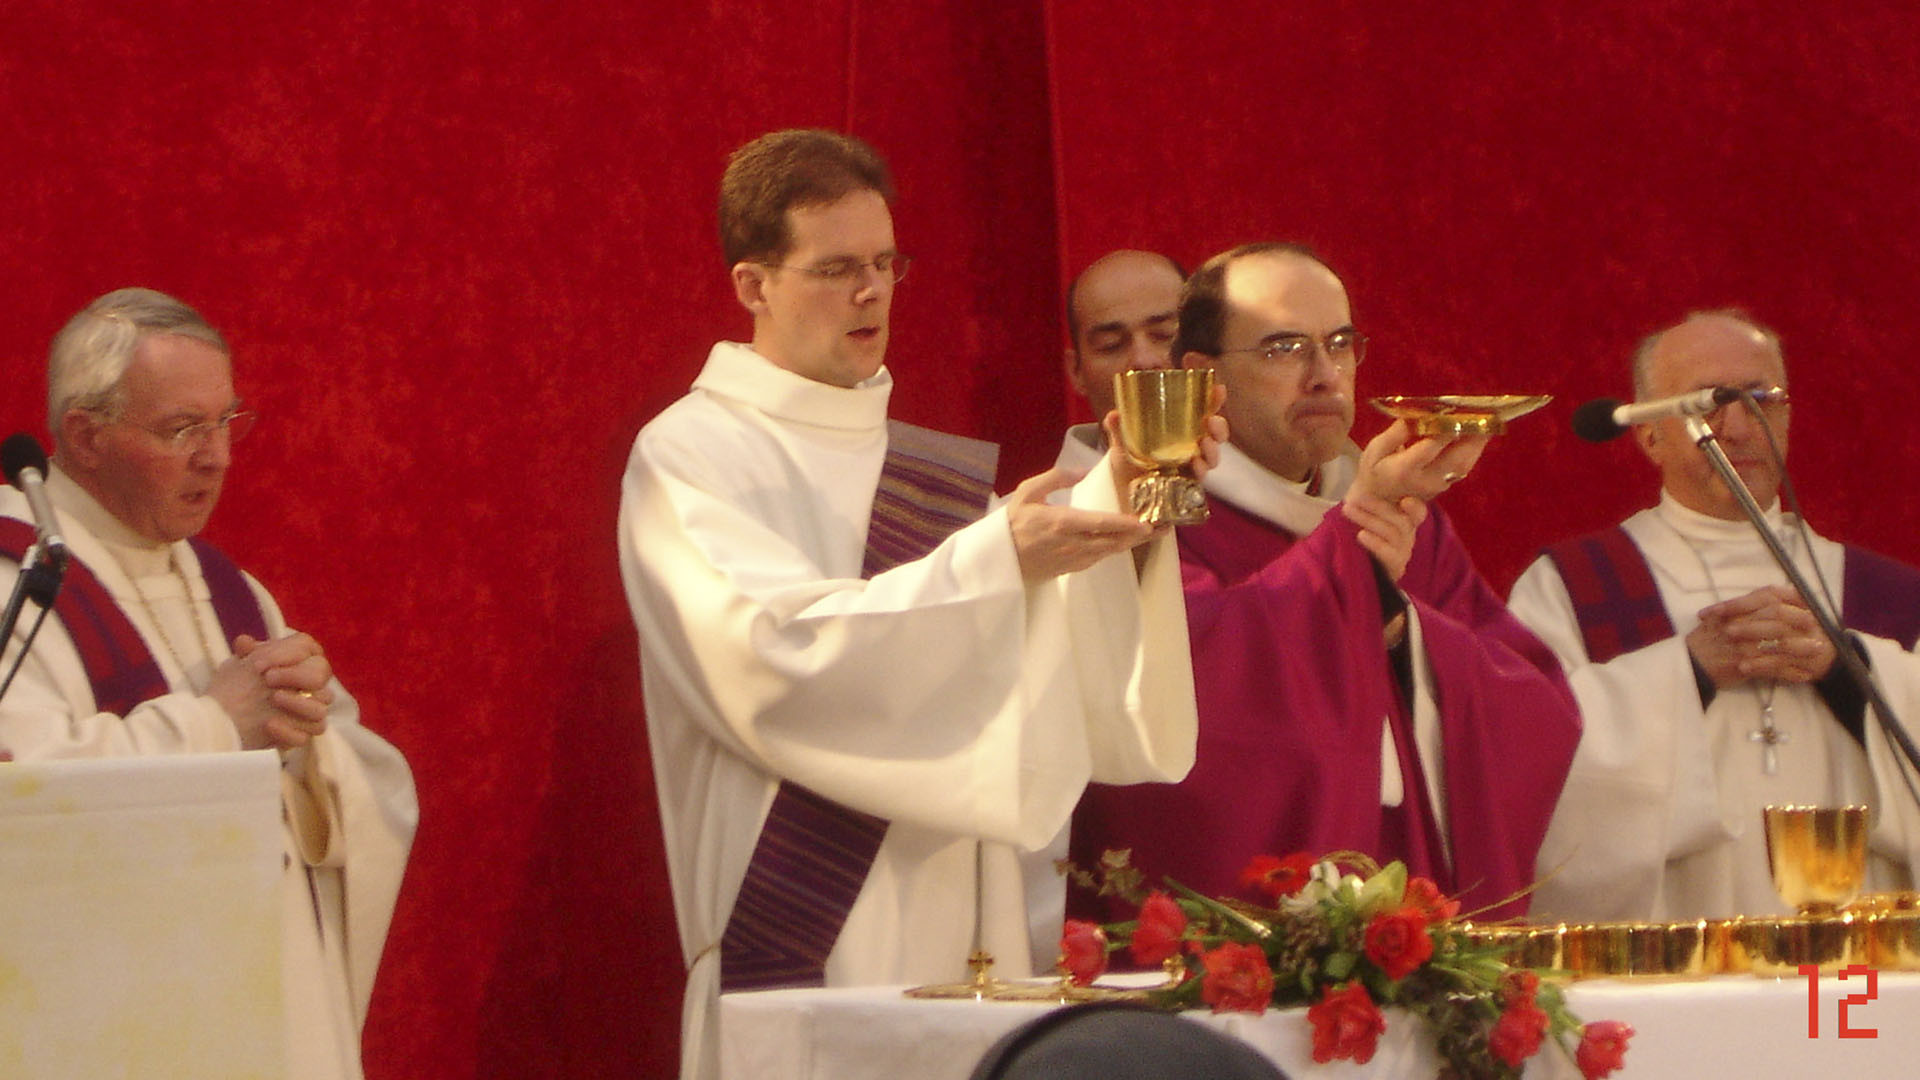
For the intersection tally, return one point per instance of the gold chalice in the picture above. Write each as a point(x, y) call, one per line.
point(1163, 413)
point(1817, 854)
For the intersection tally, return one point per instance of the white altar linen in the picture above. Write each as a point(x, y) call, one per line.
point(140, 918)
point(1730, 1025)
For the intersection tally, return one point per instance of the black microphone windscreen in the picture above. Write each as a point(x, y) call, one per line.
point(18, 452)
point(1594, 420)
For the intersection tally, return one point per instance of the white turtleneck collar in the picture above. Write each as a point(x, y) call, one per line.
point(137, 554)
point(1264, 493)
point(736, 371)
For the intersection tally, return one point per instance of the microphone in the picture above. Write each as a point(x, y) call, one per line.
point(1605, 418)
point(25, 465)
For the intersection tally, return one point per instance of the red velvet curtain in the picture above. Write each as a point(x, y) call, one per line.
point(464, 252)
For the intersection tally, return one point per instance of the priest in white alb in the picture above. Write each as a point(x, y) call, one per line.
point(1707, 689)
point(868, 687)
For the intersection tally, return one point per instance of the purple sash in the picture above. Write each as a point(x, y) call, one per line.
point(120, 667)
point(813, 854)
point(1619, 607)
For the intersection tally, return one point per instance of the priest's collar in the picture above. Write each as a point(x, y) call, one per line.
point(1706, 529)
point(735, 371)
point(1258, 490)
point(138, 555)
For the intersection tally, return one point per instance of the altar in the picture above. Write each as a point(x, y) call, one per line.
point(1859, 1028)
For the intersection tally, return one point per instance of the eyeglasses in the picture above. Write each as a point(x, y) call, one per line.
point(1344, 348)
point(186, 440)
point(847, 271)
point(1771, 400)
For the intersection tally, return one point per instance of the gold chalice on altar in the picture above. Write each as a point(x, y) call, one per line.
point(1817, 854)
point(1451, 415)
point(1163, 413)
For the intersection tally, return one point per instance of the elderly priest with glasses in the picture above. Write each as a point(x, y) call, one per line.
point(868, 688)
point(1708, 688)
point(162, 645)
point(1360, 686)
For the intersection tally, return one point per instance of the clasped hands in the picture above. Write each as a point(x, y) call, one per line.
point(1768, 634)
point(1388, 499)
point(275, 691)
point(1052, 539)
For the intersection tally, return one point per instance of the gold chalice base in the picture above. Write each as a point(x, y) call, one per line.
point(1450, 415)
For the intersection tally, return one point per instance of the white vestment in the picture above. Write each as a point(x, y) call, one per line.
point(944, 696)
point(1661, 815)
point(348, 799)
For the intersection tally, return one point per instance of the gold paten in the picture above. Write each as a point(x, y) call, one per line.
point(1163, 414)
point(1449, 415)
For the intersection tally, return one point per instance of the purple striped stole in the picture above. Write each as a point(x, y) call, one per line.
point(1614, 596)
point(119, 666)
point(1619, 608)
point(813, 854)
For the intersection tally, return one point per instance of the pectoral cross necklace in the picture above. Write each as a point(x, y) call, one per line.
point(1769, 736)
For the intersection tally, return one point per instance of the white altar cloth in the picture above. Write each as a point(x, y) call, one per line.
point(1732, 1025)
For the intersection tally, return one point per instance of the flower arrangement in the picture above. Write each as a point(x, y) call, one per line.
point(1344, 937)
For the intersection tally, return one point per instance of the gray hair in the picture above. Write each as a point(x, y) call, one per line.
point(89, 356)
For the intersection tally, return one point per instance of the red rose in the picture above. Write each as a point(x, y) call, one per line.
point(1278, 877)
point(1519, 986)
point(1425, 895)
point(1603, 1048)
point(1398, 942)
point(1238, 978)
point(1517, 1034)
point(1346, 1024)
point(1083, 951)
point(1162, 925)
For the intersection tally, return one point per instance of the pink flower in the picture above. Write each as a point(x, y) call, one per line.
point(1083, 951)
point(1162, 925)
point(1238, 978)
point(1603, 1048)
point(1278, 877)
point(1346, 1024)
point(1398, 942)
point(1423, 894)
point(1517, 1034)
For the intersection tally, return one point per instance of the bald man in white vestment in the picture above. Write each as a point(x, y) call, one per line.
point(163, 646)
point(1707, 688)
point(868, 687)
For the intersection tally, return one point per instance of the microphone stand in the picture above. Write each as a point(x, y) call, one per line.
point(39, 581)
point(1702, 435)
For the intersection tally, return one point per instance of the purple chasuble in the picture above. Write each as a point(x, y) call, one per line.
point(1293, 684)
point(813, 854)
point(120, 668)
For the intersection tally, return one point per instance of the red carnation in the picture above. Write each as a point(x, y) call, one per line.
point(1603, 1048)
point(1083, 951)
point(1519, 986)
point(1517, 1034)
point(1346, 1024)
point(1422, 893)
point(1162, 925)
point(1238, 978)
point(1278, 877)
point(1398, 942)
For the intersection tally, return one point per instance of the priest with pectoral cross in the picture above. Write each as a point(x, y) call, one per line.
point(1707, 687)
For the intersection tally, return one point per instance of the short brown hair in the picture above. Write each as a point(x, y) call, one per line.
point(786, 169)
point(1203, 303)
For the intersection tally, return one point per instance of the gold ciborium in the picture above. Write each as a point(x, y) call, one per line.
point(1818, 855)
point(1163, 413)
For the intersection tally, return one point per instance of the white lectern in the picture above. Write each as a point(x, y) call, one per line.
point(140, 918)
